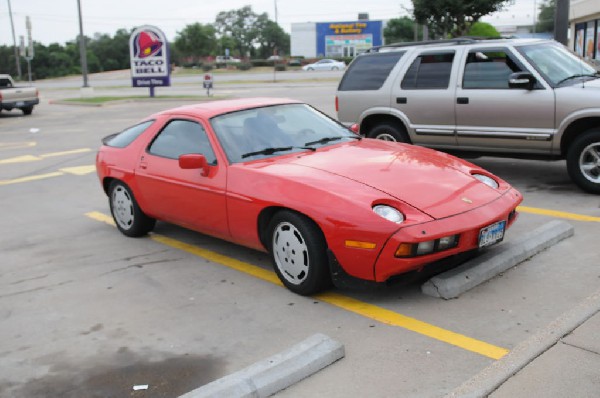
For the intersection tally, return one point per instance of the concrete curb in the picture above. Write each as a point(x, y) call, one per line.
point(266, 377)
point(496, 260)
point(492, 377)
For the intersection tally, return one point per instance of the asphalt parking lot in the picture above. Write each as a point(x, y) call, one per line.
point(86, 311)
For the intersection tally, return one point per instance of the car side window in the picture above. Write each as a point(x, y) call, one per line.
point(489, 69)
point(180, 137)
point(430, 70)
point(369, 72)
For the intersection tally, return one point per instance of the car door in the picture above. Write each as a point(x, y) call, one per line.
point(425, 93)
point(182, 196)
point(492, 116)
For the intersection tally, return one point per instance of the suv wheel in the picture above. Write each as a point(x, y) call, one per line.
point(389, 132)
point(583, 161)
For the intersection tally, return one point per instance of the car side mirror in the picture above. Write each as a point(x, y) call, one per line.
point(355, 128)
point(194, 161)
point(522, 80)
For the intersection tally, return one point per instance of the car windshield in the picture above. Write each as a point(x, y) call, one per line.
point(269, 131)
point(556, 63)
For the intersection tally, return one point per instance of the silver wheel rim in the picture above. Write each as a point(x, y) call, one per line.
point(386, 137)
point(290, 253)
point(122, 207)
point(589, 162)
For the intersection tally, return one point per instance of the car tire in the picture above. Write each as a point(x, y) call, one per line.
point(335, 68)
point(27, 110)
point(128, 216)
point(583, 161)
point(298, 252)
point(389, 132)
point(310, 69)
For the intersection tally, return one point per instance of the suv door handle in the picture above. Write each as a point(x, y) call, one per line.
point(462, 100)
point(401, 100)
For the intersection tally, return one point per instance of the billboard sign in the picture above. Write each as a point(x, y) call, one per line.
point(149, 56)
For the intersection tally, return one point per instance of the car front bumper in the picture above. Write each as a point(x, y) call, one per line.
point(467, 225)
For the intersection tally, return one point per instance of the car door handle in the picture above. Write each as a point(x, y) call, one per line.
point(462, 100)
point(401, 100)
point(143, 165)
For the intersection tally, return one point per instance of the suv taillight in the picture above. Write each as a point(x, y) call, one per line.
point(337, 104)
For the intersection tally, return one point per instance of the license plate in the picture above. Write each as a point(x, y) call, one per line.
point(492, 234)
point(20, 103)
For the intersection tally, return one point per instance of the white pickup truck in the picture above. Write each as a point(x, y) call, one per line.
point(23, 98)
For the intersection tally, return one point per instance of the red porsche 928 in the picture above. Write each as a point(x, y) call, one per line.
point(279, 176)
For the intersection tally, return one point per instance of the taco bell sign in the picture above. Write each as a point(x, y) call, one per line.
point(149, 55)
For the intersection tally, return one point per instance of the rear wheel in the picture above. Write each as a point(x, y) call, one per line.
point(27, 110)
point(387, 131)
point(583, 161)
point(128, 216)
point(298, 252)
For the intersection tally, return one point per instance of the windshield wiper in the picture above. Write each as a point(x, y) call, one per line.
point(270, 151)
point(597, 74)
point(325, 140)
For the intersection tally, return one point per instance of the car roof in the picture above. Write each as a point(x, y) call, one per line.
point(210, 109)
point(460, 41)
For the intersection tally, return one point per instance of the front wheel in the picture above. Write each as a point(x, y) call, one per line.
point(583, 161)
point(298, 251)
point(128, 216)
point(388, 132)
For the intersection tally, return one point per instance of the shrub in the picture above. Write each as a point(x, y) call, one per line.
point(207, 67)
point(244, 66)
point(280, 67)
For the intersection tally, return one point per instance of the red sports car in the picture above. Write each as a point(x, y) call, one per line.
point(279, 176)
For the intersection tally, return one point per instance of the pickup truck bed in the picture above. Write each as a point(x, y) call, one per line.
point(11, 97)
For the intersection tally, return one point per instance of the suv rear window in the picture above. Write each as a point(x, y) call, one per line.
point(429, 71)
point(369, 72)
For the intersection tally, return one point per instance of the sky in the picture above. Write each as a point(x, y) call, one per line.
point(56, 21)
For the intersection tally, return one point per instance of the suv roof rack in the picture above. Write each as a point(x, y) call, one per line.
point(456, 41)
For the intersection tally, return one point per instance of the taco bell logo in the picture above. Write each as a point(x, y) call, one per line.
point(148, 50)
point(147, 44)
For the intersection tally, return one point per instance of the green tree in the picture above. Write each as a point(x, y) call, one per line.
point(483, 29)
point(400, 30)
point(545, 22)
point(453, 17)
point(196, 41)
point(240, 25)
point(271, 38)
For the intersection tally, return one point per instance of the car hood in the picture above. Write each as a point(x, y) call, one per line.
point(437, 184)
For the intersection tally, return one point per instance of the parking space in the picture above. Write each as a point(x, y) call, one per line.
point(78, 298)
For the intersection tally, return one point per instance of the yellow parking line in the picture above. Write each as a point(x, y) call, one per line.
point(395, 319)
point(557, 214)
point(63, 153)
point(358, 307)
point(31, 178)
point(17, 145)
point(79, 170)
point(32, 158)
point(20, 159)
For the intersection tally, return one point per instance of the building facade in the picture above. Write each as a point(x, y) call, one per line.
point(335, 39)
point(584, 17)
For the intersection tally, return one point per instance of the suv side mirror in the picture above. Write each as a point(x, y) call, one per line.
point(194, 161)
point(522, 80)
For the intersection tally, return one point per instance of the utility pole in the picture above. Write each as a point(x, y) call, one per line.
point(12, 26)
point(82, 52)
point(561, 21)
